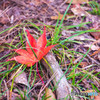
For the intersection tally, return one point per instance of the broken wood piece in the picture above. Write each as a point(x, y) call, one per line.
point(63, 88)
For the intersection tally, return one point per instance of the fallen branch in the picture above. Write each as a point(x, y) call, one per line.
point(63, 88)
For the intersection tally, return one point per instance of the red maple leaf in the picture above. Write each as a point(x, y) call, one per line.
point(35, 50)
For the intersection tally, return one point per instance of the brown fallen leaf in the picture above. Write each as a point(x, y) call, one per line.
point(87, 91)
point(77, 1)
point(96, 52)
point(61, 16)
point(58, 17)
point(3, 17)
point(96, 35)
point(79, 11)
point(21, 78)
point(4, 20)
point(49, 95)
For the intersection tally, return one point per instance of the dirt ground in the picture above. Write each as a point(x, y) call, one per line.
point(42, 13)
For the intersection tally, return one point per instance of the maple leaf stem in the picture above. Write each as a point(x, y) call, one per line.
point(39, 73)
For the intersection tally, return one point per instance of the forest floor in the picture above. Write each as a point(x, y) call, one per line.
point(73, 63)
